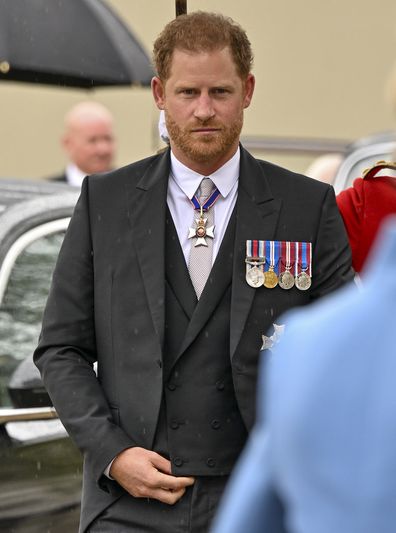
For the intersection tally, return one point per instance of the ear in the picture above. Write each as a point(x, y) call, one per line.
point(249, 90)
point(158, 90)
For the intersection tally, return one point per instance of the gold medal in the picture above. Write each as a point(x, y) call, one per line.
point(286, 280)
point(270, 278)
point(254, 276)
point(303, 281)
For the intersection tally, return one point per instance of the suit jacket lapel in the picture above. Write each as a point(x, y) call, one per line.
point(176, 270)
point(257, 217)
point(148, 208)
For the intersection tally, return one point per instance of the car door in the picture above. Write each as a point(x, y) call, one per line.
point(40, 474)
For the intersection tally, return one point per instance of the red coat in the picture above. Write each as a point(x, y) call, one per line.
point(363, 208)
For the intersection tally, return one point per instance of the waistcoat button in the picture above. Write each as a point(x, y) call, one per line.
point(211, 462)
point(219, 385)
point(171, 386)
point(174, 424)
point(215, 424)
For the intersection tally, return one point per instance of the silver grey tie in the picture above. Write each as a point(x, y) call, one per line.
point(200, 261)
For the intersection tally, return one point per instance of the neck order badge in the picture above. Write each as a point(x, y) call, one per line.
point(202, 230)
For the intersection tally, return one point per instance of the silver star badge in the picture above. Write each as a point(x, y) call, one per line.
point(269, 342)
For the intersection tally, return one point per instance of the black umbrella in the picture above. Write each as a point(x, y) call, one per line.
point(74, 43)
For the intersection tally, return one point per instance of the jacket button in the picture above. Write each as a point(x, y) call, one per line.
point(178, 461)
point(171, 386)
point(211, 462)
point(219, 385)
point(215, 424)
point(174, 424)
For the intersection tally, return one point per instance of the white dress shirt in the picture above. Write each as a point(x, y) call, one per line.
point(74, 176)
point(183, 184)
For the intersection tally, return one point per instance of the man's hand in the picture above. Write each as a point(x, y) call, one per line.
point(146, 474)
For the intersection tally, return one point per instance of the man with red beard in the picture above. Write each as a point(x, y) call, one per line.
point(171, 271)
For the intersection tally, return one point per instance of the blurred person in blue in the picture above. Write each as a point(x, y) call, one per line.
point(88, 141)
point(321, 458)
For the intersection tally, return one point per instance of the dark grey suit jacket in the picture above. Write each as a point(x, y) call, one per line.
point(106, 303)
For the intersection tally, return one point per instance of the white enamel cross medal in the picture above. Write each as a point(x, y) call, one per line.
point(201, 231)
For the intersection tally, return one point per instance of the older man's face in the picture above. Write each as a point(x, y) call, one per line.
point(90, 144)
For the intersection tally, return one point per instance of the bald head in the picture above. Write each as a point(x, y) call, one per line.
point(88, 138)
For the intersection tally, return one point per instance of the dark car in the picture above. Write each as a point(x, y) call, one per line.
point(40, 474)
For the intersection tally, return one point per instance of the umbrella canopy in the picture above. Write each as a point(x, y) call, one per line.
point(74, 43)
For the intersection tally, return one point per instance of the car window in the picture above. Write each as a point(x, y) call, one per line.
point(23, 304)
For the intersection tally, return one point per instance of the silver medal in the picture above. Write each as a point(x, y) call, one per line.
point(286, 280)
point(254, 276)
point(303, 281)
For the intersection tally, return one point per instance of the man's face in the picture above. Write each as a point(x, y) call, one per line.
point(203, 98)
point(90, 145)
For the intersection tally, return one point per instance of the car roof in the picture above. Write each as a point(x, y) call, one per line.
point(13, 191)
point(25, 204)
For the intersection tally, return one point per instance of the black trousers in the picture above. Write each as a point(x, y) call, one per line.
point(193, 513)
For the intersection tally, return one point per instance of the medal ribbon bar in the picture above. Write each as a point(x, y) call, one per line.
point(272, 255)
point(255, 260)
point(303, 258)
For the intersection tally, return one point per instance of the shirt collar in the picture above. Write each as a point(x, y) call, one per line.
point(224, 178)
point(74, 175)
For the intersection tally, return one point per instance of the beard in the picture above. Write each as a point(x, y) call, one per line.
point(206, 147)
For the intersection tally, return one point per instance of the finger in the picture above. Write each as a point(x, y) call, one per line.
point(164, 469)
point(167, 482)
point(169, 497)
point(160, 463)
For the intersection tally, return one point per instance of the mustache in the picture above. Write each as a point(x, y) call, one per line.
point(196, 124)
point(206, 124)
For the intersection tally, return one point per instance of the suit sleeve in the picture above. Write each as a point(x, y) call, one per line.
point(67, 350)
point(332, 260)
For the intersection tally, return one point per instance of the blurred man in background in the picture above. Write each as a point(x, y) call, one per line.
point(88, 142)
point(325, 167)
